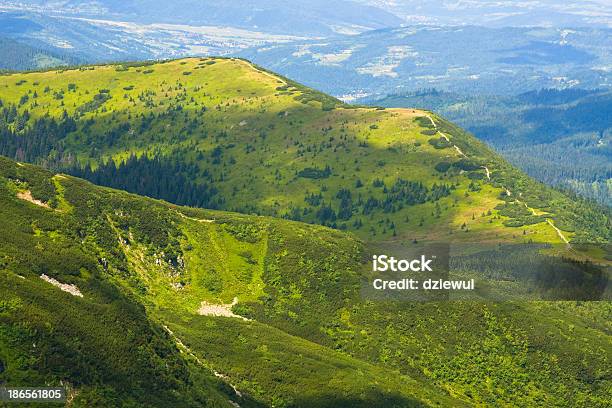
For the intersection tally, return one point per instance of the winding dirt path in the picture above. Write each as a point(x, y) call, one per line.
point(508, 192)
point(184, 349)
point(560, 233)
point(446, 137)
point(263, 72)
point(488, 172)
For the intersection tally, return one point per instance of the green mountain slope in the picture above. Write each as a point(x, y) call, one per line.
point(222, 133)
point(164, 288)
point(102, 346)
point(560, 137)
point(120, 253)
point(199, 306)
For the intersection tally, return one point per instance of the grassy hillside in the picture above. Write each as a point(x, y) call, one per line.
point(222, 133)
point(153, 276)
point(560, 137)
point(103, 346)
point(132, 260)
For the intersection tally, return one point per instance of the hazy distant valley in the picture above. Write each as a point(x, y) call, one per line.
point(369, 63)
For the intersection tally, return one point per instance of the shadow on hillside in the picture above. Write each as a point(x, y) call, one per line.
point(369, 400)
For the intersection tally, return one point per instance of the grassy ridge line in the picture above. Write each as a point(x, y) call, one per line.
point(132, 64)
point(87, 66)
point(273, 147)
point(307, 112)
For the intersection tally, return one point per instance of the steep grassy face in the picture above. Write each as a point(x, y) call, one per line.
point(222, 133)
point(120, 315)
point(94, 338)
point(172, 295)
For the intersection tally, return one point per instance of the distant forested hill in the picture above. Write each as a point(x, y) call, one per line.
point(500, 61)
point(561, 137)
point(17, 56)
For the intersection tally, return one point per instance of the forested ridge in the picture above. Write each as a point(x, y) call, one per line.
point(17, 56)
